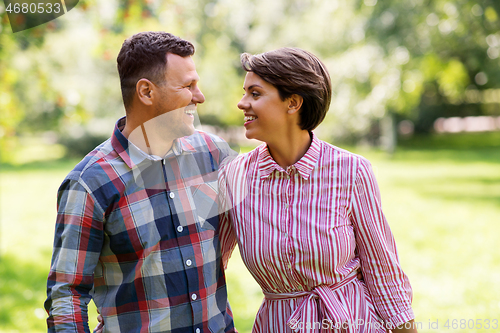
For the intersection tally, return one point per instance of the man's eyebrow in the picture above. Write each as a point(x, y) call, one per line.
point(192, 80)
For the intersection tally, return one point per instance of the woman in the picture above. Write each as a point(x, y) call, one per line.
point(306, 214)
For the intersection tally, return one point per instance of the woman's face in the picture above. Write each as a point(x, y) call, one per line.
point(265, 112)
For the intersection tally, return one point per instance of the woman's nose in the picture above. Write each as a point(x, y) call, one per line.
point(241, 104)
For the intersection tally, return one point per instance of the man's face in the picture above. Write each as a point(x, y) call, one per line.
point(179, 95)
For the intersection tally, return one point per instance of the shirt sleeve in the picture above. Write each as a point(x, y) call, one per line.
point(77, 246)
point(227, 234)
point(388, 284)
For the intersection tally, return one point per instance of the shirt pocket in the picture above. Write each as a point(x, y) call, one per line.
point(205, 201)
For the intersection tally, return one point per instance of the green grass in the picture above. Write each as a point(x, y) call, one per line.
point(443, 206)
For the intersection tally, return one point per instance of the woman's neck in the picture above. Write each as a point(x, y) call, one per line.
point(289, 148)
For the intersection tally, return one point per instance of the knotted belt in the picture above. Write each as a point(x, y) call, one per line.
point(306, 317)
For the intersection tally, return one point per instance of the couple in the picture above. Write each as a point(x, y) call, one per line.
point(140, 228)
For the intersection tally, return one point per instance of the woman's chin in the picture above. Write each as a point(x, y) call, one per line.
point(254, 136)
point(250, 135)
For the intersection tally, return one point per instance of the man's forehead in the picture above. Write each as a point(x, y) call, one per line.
point(181, 66)
point(177, 59)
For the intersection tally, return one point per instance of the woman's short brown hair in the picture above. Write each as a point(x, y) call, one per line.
point(295, 71)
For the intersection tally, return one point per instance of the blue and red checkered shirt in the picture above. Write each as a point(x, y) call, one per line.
point(139, 235)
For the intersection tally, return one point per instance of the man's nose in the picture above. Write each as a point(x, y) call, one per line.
point(198, 96)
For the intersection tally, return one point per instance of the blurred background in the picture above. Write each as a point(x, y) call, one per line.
point(416, 90)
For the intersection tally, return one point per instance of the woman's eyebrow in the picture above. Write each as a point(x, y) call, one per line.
point(252, 86)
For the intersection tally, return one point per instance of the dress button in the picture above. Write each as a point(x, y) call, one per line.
point(188, 262)
point(172, 195)
point(194, 297)
point(180, 228)
point(198, 330)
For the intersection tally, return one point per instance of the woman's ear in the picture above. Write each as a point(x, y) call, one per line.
point(144, 89)
point(294, 103)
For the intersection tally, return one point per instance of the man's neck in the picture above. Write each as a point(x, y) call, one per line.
point(148, 138)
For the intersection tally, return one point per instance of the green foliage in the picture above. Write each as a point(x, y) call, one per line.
point(450, 43)
point(477, 142)
point(81, 146)
point(416, 58)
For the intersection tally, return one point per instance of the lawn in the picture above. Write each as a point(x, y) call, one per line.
point(443, 205)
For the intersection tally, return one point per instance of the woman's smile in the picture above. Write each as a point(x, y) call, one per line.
point(249, 119)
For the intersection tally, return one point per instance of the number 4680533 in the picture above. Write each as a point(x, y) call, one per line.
point(33, 8)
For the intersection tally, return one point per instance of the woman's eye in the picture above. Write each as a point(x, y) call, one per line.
point(254, 94)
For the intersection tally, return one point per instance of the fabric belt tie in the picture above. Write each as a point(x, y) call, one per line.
point(306, 317)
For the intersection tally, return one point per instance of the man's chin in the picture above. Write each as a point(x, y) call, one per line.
point(188, 130)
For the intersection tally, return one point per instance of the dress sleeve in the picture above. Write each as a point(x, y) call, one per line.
point(77, 246)
point(388, 284)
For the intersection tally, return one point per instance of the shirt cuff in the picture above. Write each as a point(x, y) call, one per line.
point(400, 318)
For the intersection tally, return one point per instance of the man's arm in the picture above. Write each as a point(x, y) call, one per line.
point(77, 246)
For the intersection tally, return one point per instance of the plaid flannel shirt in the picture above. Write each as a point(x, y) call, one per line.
point(139, 234)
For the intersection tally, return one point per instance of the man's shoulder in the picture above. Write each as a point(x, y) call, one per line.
point(91, 164)
point(243, 161)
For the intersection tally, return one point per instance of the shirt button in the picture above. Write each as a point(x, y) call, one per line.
point(188, 263)
point(180, 228)
point(171, 195)
point(194, 297)
point(198, 330)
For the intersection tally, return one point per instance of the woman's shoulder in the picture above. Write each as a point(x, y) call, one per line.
point(344, 155)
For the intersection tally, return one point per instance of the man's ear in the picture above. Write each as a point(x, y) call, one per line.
point(294, 103)
point(144, 89)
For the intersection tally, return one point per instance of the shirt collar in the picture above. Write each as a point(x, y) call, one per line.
point(304, 166)
point(133, 156)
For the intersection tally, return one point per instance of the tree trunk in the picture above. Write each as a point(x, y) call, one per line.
point(388, 133)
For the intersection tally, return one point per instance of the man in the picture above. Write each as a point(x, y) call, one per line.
point(137, 225)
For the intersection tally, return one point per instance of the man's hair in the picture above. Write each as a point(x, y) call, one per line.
point(295, 71)
point(143, 56)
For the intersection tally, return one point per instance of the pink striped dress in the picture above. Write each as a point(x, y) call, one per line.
point(304, 231)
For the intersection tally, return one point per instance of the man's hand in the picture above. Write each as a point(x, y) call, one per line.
point(100, 327)
point(360, 274)
point(408, 327)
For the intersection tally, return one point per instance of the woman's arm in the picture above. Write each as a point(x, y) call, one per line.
point(388, 285)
